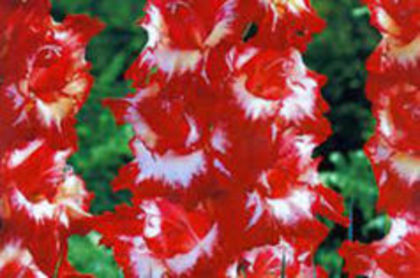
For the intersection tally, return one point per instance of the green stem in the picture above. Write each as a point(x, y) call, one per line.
point(351, 219)
point(283, 265)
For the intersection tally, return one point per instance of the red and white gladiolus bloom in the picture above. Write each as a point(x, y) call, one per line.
point(223, 179)
point(394, 150)
point(44, 81)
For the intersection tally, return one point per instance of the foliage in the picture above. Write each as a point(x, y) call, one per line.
point(352, 176)
point(88, 257)
point(340, 52)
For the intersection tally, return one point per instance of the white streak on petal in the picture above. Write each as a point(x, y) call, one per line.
point(305, 146)
point(263, 179)
point(382, 153)
point(302, 257)
point(277, 252)
point(237, 60)
point(45, 113)
point(155, 27)
point(232, 271)
point(12, 92)
point(386, 21)
point(141, 128)
point(138, 123)
point(383, 178)
point(219, 165)
point(174, 61)
point(20, 155)
point(274, 132)
point(141, 259)
point(297, 6)
point(54, 113)
point(385, 124)
point(39, 211)
point(407, 167)
point(224, 26)
point(176, 170)
point(193, 135)
point(301, 102)
point(13, 253)
point(71, 197)
point(183, 262)
point(290, 209)
point(255, 203)
point(399, 229)
point(61, 36)
point(219, 141)
point(76, 87)
point(153, 219)
point(254, 107)
point(408, 54)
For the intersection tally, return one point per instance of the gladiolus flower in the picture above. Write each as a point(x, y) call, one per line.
point(44, 81)
point(225, 126)
point(394, 89)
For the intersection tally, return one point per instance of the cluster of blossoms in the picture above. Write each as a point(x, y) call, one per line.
point(394, 89)
point(43, 83)
point(226, 117)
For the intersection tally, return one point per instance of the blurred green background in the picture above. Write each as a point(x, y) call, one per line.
point(339, 53)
